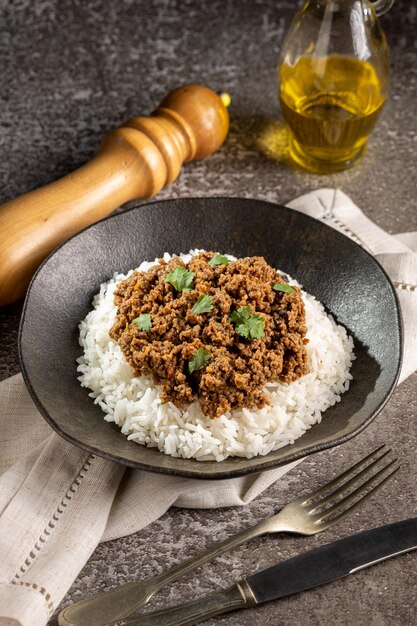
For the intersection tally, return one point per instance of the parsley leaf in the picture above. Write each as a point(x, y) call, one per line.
point(219, 259)
point(247, 324)
point(204, 304)
point(199, 360)
point(283, 287)
point(143, 322)
point(180, 278)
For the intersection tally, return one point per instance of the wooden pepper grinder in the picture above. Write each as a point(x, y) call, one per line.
point(135, 161)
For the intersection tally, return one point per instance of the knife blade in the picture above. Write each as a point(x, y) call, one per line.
point(311, 569)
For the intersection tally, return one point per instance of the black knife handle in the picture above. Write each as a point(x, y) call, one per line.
point(231, 599)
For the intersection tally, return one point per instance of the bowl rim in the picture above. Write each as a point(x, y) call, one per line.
point(263, 463)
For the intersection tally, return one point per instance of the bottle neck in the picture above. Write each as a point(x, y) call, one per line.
point(327, 8)
point(341, 6)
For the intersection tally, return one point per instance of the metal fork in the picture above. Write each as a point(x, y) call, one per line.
point(307, 515)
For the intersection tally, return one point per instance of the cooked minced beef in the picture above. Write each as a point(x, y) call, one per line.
point(237, 368)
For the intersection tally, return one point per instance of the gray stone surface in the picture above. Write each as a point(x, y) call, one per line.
point(70, 72)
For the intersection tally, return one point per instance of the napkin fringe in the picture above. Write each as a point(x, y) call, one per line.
point(44, 593)
point(22, 605)
point(404, 286)
point(50, 526)
point(328, 215)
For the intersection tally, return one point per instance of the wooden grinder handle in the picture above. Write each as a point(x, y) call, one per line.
point(135, 161)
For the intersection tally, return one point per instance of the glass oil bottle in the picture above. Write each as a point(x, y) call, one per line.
point(333, 81)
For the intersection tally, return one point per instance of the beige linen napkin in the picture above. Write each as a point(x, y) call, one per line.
point(58, 502)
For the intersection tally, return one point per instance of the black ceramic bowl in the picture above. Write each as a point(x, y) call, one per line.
point(350, 283)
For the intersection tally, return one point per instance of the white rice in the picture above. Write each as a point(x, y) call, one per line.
point(135, 404)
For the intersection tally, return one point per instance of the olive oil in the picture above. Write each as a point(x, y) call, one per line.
point(331, 105)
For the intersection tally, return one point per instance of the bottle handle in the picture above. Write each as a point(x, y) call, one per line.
point(382, 6)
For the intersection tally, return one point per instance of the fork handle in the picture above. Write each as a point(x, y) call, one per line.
point(120, 602)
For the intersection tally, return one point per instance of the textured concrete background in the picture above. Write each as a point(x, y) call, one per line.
point(70, 71)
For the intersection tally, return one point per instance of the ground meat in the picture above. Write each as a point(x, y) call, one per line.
point(238, 367)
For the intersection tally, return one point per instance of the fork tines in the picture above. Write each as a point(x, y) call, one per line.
point(328, 504)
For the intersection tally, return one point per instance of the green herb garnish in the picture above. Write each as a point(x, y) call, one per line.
point(219, 259)
point(143, 322)
point(180, 278)
point(283, 287)
point(204, 304)
point(199, 360)
point(247, 324)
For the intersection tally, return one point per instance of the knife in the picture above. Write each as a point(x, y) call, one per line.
point(302, 572)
